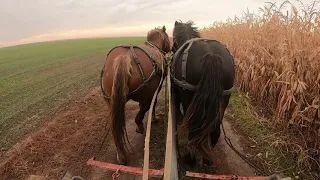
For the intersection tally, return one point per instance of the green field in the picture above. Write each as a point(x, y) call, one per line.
point(36, 79)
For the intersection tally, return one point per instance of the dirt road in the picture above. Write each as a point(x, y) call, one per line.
point(75, 134)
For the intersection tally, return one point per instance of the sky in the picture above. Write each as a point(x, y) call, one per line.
point(26, 21)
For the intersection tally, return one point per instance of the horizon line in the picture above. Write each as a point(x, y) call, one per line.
point(67, 39)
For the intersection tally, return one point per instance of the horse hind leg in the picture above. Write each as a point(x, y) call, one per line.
point(215, 135)
point(139, 129)
point(185, 99)
point(154, 119)
point(177, 108)
point(190, 158)
point(121, 158)
point(144, 107)
point(139, 119)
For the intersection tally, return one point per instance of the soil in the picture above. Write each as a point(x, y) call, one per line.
point(75, 134)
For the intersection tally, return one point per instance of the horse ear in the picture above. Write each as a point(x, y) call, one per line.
point(164, 28)
point(175, 23)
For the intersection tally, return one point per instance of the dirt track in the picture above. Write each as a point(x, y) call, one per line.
point(75, 134)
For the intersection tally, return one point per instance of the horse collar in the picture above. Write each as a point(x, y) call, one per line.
point(155, 46)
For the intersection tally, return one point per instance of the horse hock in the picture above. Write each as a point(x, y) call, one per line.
point(139, 119)
point(121, 158)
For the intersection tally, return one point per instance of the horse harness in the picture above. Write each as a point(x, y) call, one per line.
point(183, 83)
point(156, 67)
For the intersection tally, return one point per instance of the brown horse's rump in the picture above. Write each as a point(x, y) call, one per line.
point(146, 76)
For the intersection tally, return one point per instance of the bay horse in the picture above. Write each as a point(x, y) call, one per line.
point(133, 73)
point(202, 76)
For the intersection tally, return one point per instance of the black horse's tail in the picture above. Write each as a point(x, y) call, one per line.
point(204, 112)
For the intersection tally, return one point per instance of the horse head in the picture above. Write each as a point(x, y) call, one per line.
point(159, 38)
point(182, 32)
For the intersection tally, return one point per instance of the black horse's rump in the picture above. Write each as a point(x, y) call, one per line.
point(203, 74)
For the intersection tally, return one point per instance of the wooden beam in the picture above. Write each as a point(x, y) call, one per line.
point(170, 167)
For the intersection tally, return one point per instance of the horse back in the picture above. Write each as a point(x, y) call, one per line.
point(194, 66)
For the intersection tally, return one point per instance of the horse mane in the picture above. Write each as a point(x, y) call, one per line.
point(185, 31)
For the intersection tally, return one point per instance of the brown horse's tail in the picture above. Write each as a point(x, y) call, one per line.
point(121, 69)
point(204, 113)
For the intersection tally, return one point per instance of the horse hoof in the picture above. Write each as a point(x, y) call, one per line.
point(140, 129)
point(122, 160)
point(189, 161)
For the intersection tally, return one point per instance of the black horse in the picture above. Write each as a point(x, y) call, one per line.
point(203, 77)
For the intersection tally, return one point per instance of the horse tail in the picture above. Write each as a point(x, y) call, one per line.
point(120, 89)
point(204, 113)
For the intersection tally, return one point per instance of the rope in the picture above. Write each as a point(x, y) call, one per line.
point(271, 177)
point(228, 141)
point(105, 137)
point(147, 138)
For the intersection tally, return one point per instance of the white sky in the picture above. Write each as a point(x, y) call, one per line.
point(24, 21)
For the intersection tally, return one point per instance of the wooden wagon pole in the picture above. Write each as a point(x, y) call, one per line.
point(170, 167)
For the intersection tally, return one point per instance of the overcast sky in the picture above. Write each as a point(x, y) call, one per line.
point(37, 20)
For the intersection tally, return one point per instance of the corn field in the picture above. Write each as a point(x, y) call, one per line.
point(277, 52)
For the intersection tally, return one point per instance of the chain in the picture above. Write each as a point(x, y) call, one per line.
point(116, 174)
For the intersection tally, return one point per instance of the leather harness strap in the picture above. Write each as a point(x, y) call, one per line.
point(156, 67)
point(137, 61)
point(184, 63)
point(183, 82)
